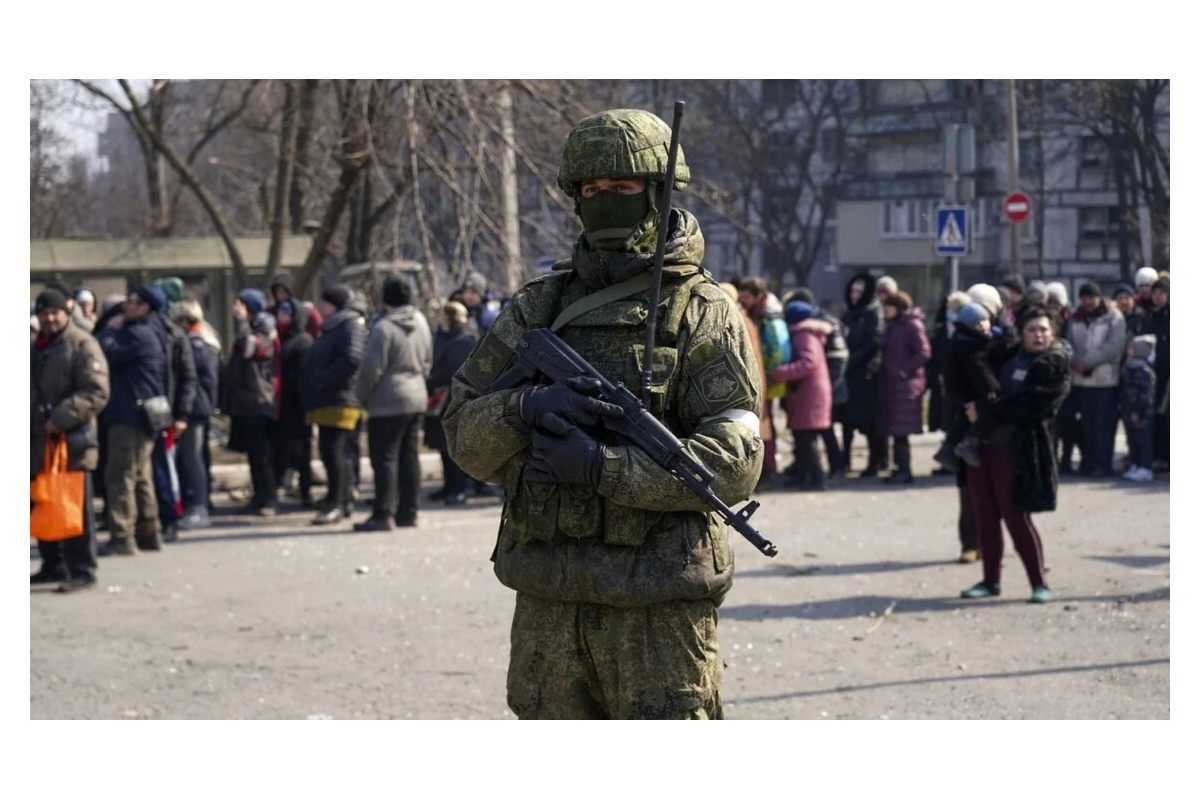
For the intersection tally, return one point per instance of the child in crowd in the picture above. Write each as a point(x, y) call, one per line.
point(1137, 406)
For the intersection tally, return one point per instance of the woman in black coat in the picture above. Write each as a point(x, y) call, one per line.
point(864, 324)
point(292, 436)
point(1018, 474)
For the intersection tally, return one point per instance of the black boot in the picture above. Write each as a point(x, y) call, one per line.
point(903, 473)
point(42, 576)
point(77, 583)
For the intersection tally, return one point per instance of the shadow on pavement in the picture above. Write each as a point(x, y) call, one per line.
point(1027, 673)
point(864, 605)
point(1135, 562)
point(817, 570)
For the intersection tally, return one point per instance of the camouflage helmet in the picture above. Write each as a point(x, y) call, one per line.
point(620, 143)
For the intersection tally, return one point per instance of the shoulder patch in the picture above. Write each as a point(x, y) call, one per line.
point(720, 381)
point(491, 356)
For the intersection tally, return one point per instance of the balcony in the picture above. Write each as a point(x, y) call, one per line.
point(912, 184)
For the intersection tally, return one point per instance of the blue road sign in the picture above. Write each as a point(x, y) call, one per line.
point(953, 237)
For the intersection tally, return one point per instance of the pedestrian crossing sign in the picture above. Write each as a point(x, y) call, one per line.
point(953, 237)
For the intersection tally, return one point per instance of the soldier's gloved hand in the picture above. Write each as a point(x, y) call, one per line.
point(571, 400)
point(563, 453)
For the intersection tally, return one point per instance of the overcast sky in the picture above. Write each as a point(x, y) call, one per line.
point(82, 119)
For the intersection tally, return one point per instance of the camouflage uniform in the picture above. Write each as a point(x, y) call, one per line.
point(618, 585)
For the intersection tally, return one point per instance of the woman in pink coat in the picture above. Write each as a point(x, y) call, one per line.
point(809, 398)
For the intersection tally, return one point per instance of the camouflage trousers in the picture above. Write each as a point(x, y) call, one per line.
point(584, 661)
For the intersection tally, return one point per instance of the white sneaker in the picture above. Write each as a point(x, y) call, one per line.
point(1130, 474)
point(1142, 475)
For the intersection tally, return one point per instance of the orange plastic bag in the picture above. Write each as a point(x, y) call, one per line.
point(56, 496)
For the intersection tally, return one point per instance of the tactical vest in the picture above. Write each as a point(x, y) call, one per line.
point(612, 338)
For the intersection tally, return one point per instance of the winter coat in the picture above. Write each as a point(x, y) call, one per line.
point(939, 353)
point(450, 351)
point(774, 341)
point(1137, 389)
point(72, 375)
point(181, 369)
point(969, 375)
point(332, 363)
point(137, 365)
point(252, 377)
point(1097, 340)
point(905, 353)
point(1160, 325)
point(398, 357)
point(294, 344)
point(864, 334)
point(765, 428)
point(206, 354)
point(1136, 324)
point(836, 356)
point(1032, 408)
point(809, 400)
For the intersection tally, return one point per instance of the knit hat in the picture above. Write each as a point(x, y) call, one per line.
point(264, 323)
point(886, 285)
point(287, 307)
point(1143, 346)
point(988, 297)
point(336, 296)
point(1089, 289)
point(475, 281)
point(63, 289)
point(956, 301)
point(1161, 283)
point(1057, 292)
point(1124, 288)
point(51, 298)
point(171, 287)
point(152, 296)
point(900, 301)
point(806, 295)
point(797, 311)
point(84, 295)
point(254, 300)
point(972, 314)
point(1014, 282)
point(396, 292)
point(1145, 276)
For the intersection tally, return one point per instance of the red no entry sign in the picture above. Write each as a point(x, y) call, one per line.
point(1017, 206)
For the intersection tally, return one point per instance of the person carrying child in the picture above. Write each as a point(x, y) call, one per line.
point(969, 378)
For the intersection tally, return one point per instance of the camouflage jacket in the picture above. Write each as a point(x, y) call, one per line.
point(641, 537)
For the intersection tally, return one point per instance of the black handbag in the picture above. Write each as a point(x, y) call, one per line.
point(156, 414)
point(81, 438)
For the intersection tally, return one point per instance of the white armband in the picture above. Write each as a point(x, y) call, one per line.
point(747, 418)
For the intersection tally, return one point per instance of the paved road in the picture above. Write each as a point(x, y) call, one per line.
point(283, 620)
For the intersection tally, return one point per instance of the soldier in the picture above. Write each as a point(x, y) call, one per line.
point(617, 566)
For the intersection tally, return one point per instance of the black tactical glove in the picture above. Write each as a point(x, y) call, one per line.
point(565, 454)
point(571, 400)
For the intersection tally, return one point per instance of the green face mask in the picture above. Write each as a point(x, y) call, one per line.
point(610, 219)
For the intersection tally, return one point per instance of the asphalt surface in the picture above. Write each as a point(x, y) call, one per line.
point(858, 616)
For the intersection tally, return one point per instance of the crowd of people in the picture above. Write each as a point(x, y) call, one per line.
point(133, 385)
point(1012, 374)
point(144, 373)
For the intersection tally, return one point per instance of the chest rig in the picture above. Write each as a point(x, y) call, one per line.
point(611, 337)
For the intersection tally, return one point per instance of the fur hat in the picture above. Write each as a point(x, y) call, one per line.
point(1143, 346)
point(886, 285)
point(988, 297)
point(955, 302)
point(899, 301)
point(1057, 292)
point(1145, 276)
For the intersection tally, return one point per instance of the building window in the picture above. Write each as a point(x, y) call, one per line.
point(1099, 230)
point(908, 218)
point(1093, 153)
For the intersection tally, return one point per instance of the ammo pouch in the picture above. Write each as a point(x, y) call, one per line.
point(548, 512)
